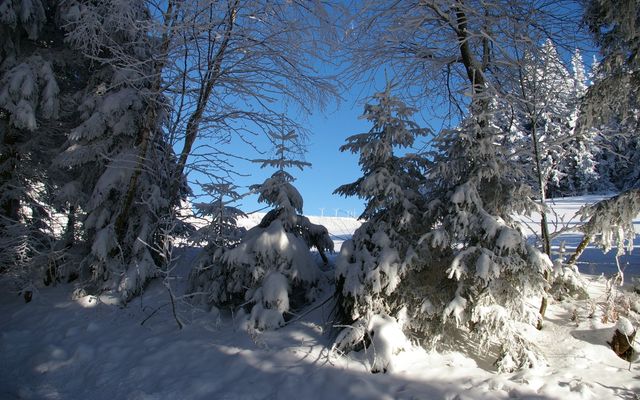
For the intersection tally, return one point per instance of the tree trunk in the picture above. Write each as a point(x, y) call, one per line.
point(579, 250)
point(10, 208)
point(211, 75)
point(70, 230)
point(150, 121)
point(544, 226)
point(622, 344)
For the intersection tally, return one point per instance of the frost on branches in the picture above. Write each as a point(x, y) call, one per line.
point(271, 269)
point(219, 234)
point(35, 71)
point(610, 223)
point(487, 271)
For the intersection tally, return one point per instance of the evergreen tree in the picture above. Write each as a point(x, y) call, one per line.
point(271, 269)
point(117, 156)
point(444, 256)
point(584, 148)
point(220, 234)
point(40, 75)
point(371, 265)
point(611, 103)
point(545, 106)
point(477, 254)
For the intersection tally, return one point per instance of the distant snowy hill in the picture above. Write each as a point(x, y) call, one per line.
point(340, 228)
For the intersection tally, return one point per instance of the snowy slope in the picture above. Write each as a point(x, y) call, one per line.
point(58, 347)
point(562, 219)
point(340, 228)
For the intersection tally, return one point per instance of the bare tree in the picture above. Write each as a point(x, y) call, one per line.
point(441, 52)
point(235, 63)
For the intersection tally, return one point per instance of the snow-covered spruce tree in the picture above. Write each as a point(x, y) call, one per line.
point(470, 273)
point(480, 269)
point(272, 269)
point(39, 76)
point(117, 155)
point(612, 101)
point(584, 150)
point(546, 101)
point(220, 234)
point(546, 106)
point(372, 265)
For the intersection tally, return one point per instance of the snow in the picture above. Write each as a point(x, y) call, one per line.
point(563, 219)
point(625, 326)
point(63, 346)
point(387, 340)
point(275, 289)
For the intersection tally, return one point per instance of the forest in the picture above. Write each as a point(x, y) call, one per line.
point(123, 125)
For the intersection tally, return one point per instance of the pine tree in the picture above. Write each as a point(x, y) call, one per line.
point(117, 156)
point(219, 234)
point(374, 262)
point(611, 103)
point(546, 105)
point(39, 77)
point(583, 148)
point(478, 255)
point(466, 267)
point(271, 269)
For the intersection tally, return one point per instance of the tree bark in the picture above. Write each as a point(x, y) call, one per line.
point(579, 250)
point(214, 66)
point(474, 70)
point(149, 125)
point(544, 226)
point(621, 344)
point(10, 208)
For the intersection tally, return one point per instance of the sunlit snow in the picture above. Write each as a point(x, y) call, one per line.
point(72, 347)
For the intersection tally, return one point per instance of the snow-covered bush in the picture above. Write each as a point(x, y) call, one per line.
point(566, 282)
point(384, 338)
point(271, 269)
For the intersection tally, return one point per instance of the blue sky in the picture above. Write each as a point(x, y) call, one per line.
point(330, 168)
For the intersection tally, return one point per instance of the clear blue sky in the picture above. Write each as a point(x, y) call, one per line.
point(330, 168)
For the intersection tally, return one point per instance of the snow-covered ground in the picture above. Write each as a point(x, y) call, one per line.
point(61, 347)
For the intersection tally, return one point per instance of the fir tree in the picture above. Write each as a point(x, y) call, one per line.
point(117, 156)
point(40, 75)
point(271, 269)
point(372, 265)
point(220, 234)
point(611, 103)
point(465, 267)
point(478, 253)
